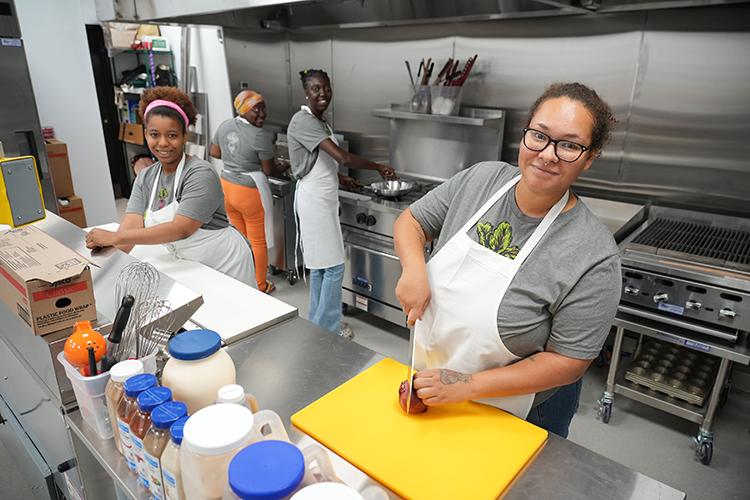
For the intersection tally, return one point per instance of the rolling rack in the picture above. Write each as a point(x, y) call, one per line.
point(656, 328)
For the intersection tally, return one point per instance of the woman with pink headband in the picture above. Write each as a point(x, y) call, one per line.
point(178, 202)
point(247, 153)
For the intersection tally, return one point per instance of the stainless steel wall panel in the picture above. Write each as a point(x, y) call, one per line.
point(311, 51)
point(690, 121)
point(259, 58)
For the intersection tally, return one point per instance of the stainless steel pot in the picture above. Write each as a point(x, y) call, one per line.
point(390, 188)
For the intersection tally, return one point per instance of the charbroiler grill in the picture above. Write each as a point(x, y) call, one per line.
point(686, 288)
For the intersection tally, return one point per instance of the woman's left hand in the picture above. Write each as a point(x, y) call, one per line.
point(349, 183)
point(387, 172)
point(97, 238)
point(443, 387)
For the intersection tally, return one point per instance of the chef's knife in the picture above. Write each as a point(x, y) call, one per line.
point(411, 367)
point(115, 336)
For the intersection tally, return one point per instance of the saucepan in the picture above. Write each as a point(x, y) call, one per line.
point(390, 188)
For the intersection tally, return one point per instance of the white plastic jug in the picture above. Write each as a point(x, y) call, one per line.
point(212, 437)
point(235, 394)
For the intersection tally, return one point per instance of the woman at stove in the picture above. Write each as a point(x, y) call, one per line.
point(178, 202)
point(315, 158)
point(520, 294)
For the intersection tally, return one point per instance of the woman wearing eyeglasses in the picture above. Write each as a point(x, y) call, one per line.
point(519, 297)
point(247, 153)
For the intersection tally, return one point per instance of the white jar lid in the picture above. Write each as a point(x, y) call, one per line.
point(232, 393)
point(123, 370)
point(218, 429)
point(327, 491)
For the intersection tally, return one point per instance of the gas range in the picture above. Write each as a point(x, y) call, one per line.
point(691, 269)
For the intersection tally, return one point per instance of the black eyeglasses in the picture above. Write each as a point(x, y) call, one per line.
point(565, 150)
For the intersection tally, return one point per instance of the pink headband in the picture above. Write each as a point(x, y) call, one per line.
point(162, 102)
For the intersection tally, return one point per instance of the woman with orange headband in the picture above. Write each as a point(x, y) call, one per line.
point(178, 202)
point(247, 153)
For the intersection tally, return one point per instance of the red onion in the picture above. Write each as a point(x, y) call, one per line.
point(417, 405)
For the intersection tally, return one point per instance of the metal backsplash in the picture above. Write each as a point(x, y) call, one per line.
point(676, 79)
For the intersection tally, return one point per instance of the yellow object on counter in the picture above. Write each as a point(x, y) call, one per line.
point(468, 450)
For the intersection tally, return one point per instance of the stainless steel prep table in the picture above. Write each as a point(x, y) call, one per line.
point(296, 362)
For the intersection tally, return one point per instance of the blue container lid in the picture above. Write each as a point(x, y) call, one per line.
point(194, 344)
point(168, 413)
point(176, 430)
point(139, 383)
point(153, 397)
point(268, 470)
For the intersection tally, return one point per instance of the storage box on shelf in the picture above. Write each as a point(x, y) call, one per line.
point(71, 209)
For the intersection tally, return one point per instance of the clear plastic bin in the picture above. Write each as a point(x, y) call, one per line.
point(419, 98)
point(445, 100)
point(91, 397)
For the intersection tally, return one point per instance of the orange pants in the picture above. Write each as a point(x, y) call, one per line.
point(245, 212)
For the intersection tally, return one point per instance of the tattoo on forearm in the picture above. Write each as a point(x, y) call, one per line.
point(419, 231)
point(532, 358)
point(450, 377)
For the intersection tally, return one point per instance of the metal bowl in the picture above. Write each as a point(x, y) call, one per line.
point(391, 188)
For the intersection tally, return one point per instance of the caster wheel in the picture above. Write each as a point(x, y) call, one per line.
point(705, 452)
point(291, 278)
point(344, 309)
point(605, 411)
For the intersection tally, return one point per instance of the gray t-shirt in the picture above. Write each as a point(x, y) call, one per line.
point(199, 193)
point(242, 145)
point(565, 294)
point(304, 135)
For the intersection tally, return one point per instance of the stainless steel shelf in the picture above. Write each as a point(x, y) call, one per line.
point(492, 118)
point(738, 352)
point(659, 400)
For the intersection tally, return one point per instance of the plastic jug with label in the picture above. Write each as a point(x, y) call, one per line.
point(212, 437)
point(197, 369)
point(148, 400)
point(235, 394)
point(126, 410)
point(114, 391)
point(171, 471)
point(156, 440)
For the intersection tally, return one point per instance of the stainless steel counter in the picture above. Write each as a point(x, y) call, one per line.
point(294, 363)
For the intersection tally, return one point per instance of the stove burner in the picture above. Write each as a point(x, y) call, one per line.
point(704, 243)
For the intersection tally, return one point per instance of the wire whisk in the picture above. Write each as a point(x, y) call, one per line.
point(153, 322)
point(141, 280)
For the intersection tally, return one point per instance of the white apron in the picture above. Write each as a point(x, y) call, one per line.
point(317, 209)
point(222, 249)
point(266, 198)
point(468, 282)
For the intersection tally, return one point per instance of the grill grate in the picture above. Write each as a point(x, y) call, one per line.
point(710, 244)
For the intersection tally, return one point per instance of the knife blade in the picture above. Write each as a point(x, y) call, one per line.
point(410, 367)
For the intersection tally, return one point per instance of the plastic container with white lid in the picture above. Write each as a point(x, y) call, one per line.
point(127, 408)
point(156, 440)
point(171, 471)
point(212, 437)
point(269, 470)
point(114, 390)
point(197, 369)
point(148, 400)
point(235, 394)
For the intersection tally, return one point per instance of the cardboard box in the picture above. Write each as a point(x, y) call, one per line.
point(44, 282)
point(132, 133)
point(122, 39)
point(59, 167)
point(71, 209)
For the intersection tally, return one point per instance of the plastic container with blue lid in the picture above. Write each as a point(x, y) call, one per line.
point(171, 471)
point(141, 423)
point(156, 441)
point(268, 470)
point(197, 368)
point(153, 397)
point(139, 383)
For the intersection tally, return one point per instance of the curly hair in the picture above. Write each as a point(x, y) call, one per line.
point(173, 94)
point(309, 74)
point(604, 120)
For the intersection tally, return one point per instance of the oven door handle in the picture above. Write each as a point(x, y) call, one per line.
point(676, 322)
point(370, 250)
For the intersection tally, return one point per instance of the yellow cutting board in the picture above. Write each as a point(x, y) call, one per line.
point(466, 451)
